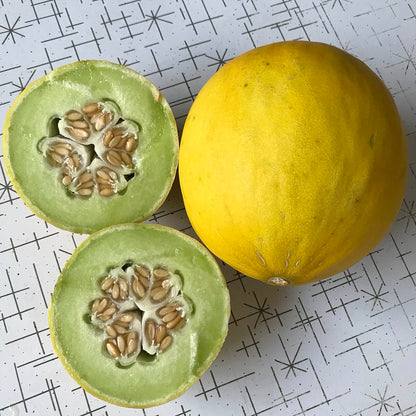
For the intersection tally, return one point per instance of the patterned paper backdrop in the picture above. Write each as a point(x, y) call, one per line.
point(342, 346)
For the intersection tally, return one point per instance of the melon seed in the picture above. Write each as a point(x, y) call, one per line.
point(90, 108)
point(102, 305)
point(57, 158)
point(142, 271)
point(122, 143)
point(112, 349)
point(76, 158)
point(160, 273)
point(107, 138)
point(115, 291)
point(100, 122)
point(74, 115)
point(79, 134)
point(166, 309)
point(61, 150)
point(111, 331)
point(126, 318)
point(131, 346)
point(123, 285)
point(130, 144)
point(158, 293)
point(80, 124)
point(138, 288)
point(106, 283)
point(174, 322)
point(106, 192)
point(85, 177)
point(88, 184)
point(108, 117)
point(126, 158)
point(69, 161)
point(109, 311)
point(160, 333)
point(122, 324)
point(150, 330)
point(165, 343)
point(114, 158)
point(103, 174)
point(170, 316)
point(95, 306)
point(114, 141)
point(85, 191)
point(66, 180)
point(121, 344)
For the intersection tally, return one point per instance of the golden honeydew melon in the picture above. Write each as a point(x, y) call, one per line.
point(146, 378)
point(293, 162)
point(39, 119)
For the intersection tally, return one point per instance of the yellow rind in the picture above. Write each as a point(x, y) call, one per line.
point(272, 206)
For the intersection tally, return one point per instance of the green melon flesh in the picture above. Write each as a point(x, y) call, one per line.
point(71, 87)
point(79, 345)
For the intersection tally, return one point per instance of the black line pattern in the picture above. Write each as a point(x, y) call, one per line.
point(341, 346)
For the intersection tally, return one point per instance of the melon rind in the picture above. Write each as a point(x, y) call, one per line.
point(79, 344)
point(71, 86)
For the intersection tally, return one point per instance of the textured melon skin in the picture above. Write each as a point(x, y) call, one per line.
point(78, 344)
point(302, 162)
point(71, 86)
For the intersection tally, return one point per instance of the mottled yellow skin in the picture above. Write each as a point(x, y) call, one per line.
point(293, 162)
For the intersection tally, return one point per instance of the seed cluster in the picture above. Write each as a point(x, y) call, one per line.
point(63, 155)
point(114, 142)
point(158, 334)
point(118, 289)
point(106, 180)
point(93, 117)
point(172, 318)
point(142, 309)
point(104, 309)
point(123, 340)
point(120, 144)
point(122, 344)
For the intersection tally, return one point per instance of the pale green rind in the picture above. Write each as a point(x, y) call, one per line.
point(79, 345)
point(71, 86)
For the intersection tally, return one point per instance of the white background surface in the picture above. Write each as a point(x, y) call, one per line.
point(343, 346)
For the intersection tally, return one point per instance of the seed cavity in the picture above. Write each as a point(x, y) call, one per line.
point(103, 309)
point(97, 130)
point(142, 308)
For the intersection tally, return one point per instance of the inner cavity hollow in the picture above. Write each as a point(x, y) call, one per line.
point(93, 149)
point(141, 311)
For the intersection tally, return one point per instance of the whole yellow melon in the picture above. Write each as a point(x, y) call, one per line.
point(293, 162)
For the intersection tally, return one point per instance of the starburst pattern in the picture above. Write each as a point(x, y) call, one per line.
point(20, 84)
point(219, 60)
point(156, 18)
point(7, 193)
point(382, 401)
point(376, 296)
point(408, 58)
point(261, 311)
point(340, 3)
point(291, 364)
point(12, 31)
point(409, 210)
